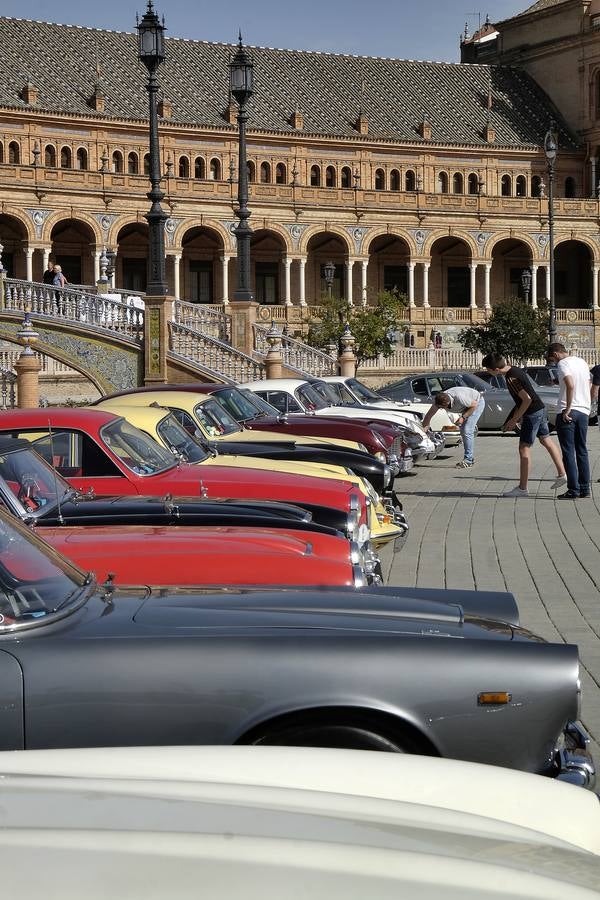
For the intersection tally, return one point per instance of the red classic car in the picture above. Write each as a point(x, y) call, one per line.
point(99, 451)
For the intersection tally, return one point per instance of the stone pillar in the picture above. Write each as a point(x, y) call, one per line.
point(28, 381)
point(473, 268)
point(157, 315)
point(46, 257)
point(287, 282)
point(274, 358)
point(302, 274)
point(243, 317)
point(349, 269)
point(488, 274)
point(426, 266)
point(534, 272)
point(225, 279)
point(96, 254)
point(595, 270)
point(347, 360)
point(411, 284)
point(363, 281)
point(593, 162)
point(177, 275)
point(547, 282)
point(29, 263)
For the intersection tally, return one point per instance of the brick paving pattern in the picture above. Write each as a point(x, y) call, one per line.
point(464, 534)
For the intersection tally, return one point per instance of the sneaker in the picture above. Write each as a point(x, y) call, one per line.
point(517, 492)
point(559, 482)
point(583, 496)
point(464, 464)
point(570, 495)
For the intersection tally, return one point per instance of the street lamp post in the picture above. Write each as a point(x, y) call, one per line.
point(241, 85)
point(550, 151)
point(151, 52)
point(526, 283)
point(329, 272)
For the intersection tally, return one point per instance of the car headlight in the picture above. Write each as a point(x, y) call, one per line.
point(380, 455)
point(387, 475)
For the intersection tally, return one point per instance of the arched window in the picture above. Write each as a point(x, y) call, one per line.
point(199, 167)
point(183, 168)
point(330, 177)
point(521, 186)
point(536, 186)
point(251, 169)
point(14, 153)
point(132, 164)
point(117, 162)
point(146, 163)
point(215, 169)
point(457, 183)
point(410, 180)
point(379, 180)
point(50, 156)
point(473, 183)
point(506, 186)
point(346, 177)
point(280, 173)
point(265, 173)
point(81, 158)
point(442, 183)
point(315, 176)
point(66, 158)
point(570, 187)
point(394, 180)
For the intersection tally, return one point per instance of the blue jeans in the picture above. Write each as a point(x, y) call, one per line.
point(467, 430)
point(572, 438)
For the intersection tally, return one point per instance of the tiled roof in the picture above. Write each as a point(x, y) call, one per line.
point(329, 89)
point(541, 4)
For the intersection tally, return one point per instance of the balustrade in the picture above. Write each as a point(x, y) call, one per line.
point(210, 320)
point(220, 358)
point(296, 355)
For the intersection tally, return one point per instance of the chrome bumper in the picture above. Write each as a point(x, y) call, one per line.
point(574, 761)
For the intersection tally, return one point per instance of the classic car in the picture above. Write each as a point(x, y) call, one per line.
point(211, 425)
point(272, 822)
point(295, 395)
point(352, 393)
point(174, 552)
point(98, 451)
point(386, 519)
point(89, 666)
point(425, 385)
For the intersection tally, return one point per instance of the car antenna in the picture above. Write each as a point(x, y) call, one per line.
point(61, 521)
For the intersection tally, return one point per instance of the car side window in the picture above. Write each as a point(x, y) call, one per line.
point(419, 386)
point(184, 418)
point(446, 382)
point(434, 385)
point(281, 401)
point(74, 454)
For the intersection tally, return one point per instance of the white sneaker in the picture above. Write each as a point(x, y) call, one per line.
point(559, 482)
point(517, 492)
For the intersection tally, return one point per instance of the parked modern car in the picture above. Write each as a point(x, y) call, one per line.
point(270, 822)
point(83, 666)
point(425, 385)
point(543, 375)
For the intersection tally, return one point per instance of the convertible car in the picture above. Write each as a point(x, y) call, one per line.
point(89, 666)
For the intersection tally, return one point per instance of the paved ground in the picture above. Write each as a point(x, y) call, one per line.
point(464, 534)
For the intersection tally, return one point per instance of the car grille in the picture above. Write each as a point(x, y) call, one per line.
point(398, 446)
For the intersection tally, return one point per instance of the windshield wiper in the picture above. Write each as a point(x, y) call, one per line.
point(90, 582)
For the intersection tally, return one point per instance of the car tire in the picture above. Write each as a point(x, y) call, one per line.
point(339, 737)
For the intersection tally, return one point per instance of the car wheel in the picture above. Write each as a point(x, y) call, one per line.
point(340, 737)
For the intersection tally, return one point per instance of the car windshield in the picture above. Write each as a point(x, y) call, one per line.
point(136, 450)
point(177, 439)
point(474, 382)
point(215, 420)
point(30, 485)
point(35, 580)
point(236, 404)
point(262, 408)
point(311, 396)
point(363, 392)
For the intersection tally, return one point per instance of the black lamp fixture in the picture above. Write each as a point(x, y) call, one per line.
point(526, 283)
point(329, 273)
point(151, 52)
point(241, 85)
point(550, 152)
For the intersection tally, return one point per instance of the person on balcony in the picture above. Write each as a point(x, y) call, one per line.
point(48, 276)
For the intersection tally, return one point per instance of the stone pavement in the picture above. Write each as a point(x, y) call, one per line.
point(464, 534)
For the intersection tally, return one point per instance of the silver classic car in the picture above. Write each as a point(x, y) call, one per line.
point(441, 673)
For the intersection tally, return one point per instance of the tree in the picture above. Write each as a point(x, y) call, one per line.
point(373, 327)
point(517, 331)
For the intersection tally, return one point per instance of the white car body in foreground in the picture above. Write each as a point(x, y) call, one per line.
point(277, 822)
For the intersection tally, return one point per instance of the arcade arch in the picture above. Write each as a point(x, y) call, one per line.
point(200, 273)
point(132, 255)
point(73, 246)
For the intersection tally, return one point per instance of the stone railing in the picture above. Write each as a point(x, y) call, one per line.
point(296, 356)
point(210, 320)
point(216, 356)
point(103, 311)
point(51, 367)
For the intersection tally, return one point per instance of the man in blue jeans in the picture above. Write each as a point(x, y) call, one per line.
point(572, 415)
point(469, 404)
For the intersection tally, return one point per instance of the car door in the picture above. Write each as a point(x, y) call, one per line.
point(12, 736)
point(420, 388)
point(83, 462)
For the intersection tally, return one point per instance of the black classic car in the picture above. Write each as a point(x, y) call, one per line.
point(383, 669)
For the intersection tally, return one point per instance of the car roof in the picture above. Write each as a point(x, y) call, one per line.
point(145, 416)
point(194, 387)
point(183, 399)
point(278, 383)
point(66, 416)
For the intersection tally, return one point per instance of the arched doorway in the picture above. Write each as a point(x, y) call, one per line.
point(73, 246)
point(509, 258)
point(322, 248)
point(132, 257)
point(449, 274)
point(266, 251)
point(202, 282)
point(13, 237)
point(388, 265)
point(573, 275)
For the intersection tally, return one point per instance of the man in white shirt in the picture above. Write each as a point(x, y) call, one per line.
point(470, 404)
point(572, 413)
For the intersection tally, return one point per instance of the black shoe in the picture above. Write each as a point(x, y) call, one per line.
point(570, 495)
point(583, 496)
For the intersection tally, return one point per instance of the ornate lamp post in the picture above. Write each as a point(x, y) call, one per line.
point(241, 85)
point(151, 52)
point(526, 283)
point(329, 272)
point(550, 151)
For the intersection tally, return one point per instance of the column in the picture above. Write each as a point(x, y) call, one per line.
point(225, 279)
point(595, 270)
point(302, 264)
point(547, 282)
point(411, 284)
point(177, 275)
point(29, 264)
point(488, 275)
point(287, 290)
point(96, 254)
point(45, 257)
point(363, 281)
point(593, 161)
point(473, 268)
point(534, 271)
point(349, 268)
point(426, 266)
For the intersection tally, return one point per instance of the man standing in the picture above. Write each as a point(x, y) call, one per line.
point(48, 276)
point(572, 415)
point(469, 403)
point(595, 374)
point(529, 411)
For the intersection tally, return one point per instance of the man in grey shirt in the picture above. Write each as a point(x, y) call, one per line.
point(469, 404)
